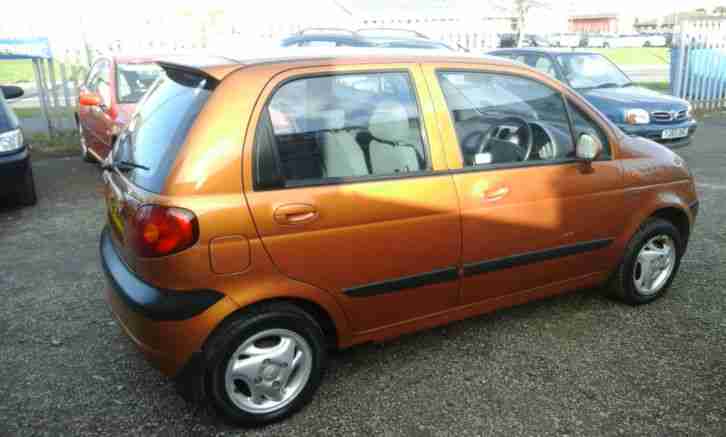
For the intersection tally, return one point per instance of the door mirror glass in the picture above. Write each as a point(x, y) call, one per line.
point(588, 147)
point(89, 99)
point(12, 92)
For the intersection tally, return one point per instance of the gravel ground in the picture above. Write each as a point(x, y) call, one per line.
point(579, 364)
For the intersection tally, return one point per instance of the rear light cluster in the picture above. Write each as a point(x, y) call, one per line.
point(158, 230)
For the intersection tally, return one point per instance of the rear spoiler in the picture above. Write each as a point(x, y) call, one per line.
point(186, 68)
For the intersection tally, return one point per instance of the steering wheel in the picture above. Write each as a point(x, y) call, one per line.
point(523, 145)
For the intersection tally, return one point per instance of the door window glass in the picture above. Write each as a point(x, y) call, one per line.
point(582, 123)
point(504, 119)
point(343, 126)
point(103, 85)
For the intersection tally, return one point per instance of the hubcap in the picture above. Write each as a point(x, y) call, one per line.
point(654, 264)
point(268, 371)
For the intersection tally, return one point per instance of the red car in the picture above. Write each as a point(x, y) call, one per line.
point(107, 99)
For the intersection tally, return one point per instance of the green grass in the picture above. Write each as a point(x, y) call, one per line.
point(62, 142)
point(637, 55)
point(36, 112)
point(16, 71)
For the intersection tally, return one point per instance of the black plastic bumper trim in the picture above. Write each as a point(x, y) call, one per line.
point(398, 284)
point(149, 301)
point(534, 257)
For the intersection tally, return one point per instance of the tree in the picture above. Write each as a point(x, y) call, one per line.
point(521, 9)
point(719, 10)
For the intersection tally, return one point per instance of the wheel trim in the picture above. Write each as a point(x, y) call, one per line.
point(262, 379)
point(654, 265)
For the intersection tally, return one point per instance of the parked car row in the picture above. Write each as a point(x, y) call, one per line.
point(249, 200)
point(599, 40)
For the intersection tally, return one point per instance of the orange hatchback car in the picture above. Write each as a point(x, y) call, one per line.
point(263, 211)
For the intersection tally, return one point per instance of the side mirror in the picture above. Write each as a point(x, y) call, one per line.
point(12, 92)
point(588, 147)
point(89, 99)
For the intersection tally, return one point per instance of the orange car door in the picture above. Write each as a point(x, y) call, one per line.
point(532, 216)
point(349, 190)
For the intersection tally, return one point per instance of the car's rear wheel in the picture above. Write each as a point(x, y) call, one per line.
point(650, 264)
point(85, 154)
point(605, 45)
point(265, 364)
point(26, 193)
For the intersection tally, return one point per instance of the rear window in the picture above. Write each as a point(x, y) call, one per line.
point(8, 120)
point(160, 125)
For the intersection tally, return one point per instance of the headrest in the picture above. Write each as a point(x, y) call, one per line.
point(389, 122)
point(332, 118)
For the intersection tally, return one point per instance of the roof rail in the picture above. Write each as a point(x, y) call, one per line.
point(382, 30)
point(324, 30)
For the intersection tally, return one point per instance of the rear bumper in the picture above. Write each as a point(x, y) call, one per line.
point(168, 326)
point(12, 170)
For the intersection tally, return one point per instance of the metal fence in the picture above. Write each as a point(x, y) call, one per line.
point(698, 65)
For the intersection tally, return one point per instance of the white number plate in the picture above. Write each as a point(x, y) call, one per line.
point(669, 134)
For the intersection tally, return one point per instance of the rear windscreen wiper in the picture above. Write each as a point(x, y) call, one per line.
point(123, 166)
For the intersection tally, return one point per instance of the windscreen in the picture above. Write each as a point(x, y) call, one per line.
point(8, 120)
point(159, 126)
point(591, 71)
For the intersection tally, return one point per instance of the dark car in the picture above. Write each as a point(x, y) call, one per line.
point(107, 99)
point(636, 110)
point(377, 38)
point(16, 173)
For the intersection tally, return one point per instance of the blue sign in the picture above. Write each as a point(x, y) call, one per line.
point(25, 48)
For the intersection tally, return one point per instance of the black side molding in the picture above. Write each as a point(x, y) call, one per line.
point(398, 284)
point(151, 302)
point(534, 257)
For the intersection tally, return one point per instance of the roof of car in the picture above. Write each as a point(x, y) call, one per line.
point(220, 66)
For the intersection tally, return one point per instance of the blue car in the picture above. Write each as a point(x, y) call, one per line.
point(636, 110)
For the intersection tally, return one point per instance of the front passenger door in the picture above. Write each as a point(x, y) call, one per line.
point(532, 216)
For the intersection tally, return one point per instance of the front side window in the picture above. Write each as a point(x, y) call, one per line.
point(583, 124)
point(504, 119)
point(591, 71)
point(102, 83)
point(341, 126)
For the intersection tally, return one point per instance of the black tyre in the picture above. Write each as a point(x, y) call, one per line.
point(265, 364)
point(605, 45)
point(650, 263)
point(26, 195)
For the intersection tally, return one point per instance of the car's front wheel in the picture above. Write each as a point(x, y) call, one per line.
point(265, 364)
point(650, 264)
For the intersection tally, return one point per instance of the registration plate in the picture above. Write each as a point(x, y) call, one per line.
point(114, 215)
point(679, 132)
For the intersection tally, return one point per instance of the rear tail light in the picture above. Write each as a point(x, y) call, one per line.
point(158, 230)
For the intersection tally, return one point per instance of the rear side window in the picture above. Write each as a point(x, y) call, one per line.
point(330, 128)
point(160, 125)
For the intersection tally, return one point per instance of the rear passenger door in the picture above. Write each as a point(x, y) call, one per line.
point(349, 195)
